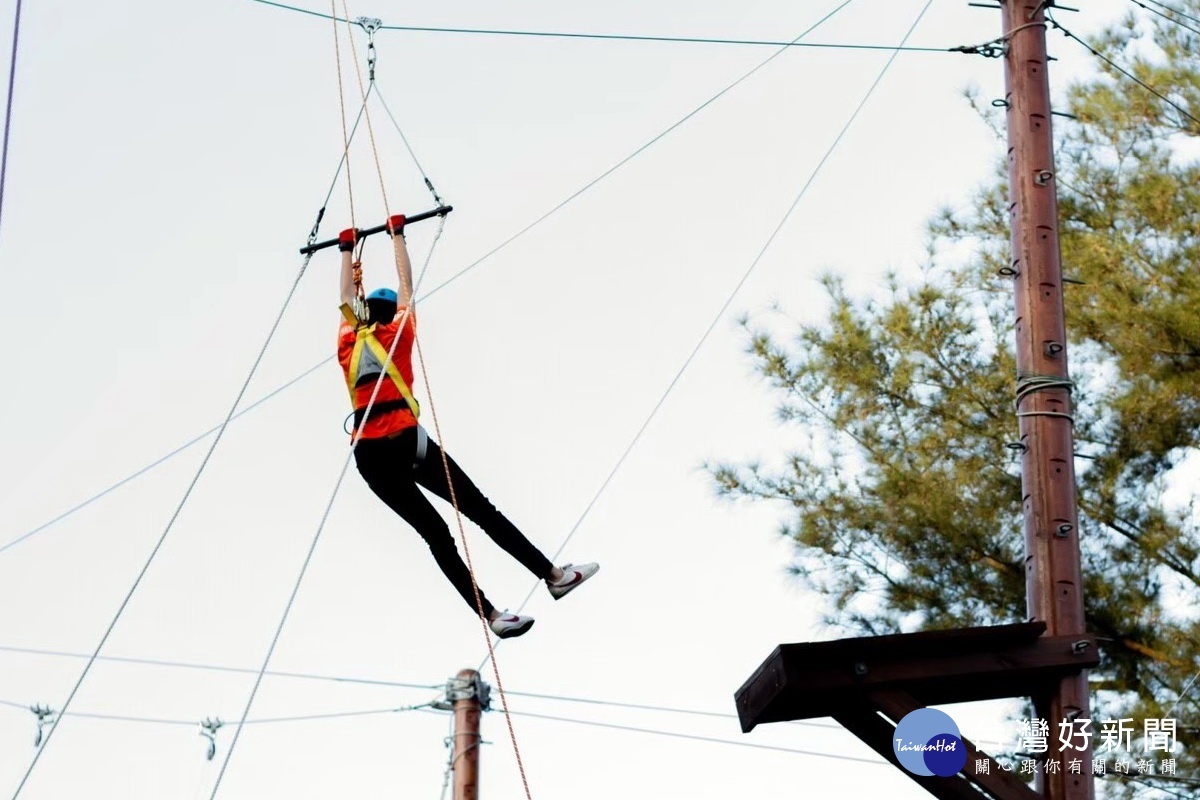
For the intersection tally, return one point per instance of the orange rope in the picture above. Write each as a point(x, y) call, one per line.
point(362, 89)
point(337, 52)
point(512, 734)
point(408, 291)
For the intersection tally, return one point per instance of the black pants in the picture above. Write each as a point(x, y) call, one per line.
point(387, 467)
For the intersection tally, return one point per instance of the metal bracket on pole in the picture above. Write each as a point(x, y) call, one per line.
point(463, 689)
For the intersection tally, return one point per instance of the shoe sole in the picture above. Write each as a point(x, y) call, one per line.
point(574, 586)
point(516, 631)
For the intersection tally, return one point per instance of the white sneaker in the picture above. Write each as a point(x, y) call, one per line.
point(507, 626)
point(573, 575)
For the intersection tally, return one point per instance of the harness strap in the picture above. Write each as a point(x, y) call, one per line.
point(379, 408)
point(365, 339)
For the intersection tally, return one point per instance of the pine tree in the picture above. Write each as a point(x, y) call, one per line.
point(904, 505)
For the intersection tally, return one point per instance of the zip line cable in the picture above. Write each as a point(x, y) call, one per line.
point(695, 737)
point(1054, 23)
point(729, 300)
point(674, 39)
point(620, 37)
point(192, 722)
point(663, 709)
point(425, 707)
point(487, 255)
point(12, 79)
point(391, 684)
point(171, 522)
point(155, 662)
point(160, 460)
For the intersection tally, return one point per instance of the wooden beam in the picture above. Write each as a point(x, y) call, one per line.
point(804, 681)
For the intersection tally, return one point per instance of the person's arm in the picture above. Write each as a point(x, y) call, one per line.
point(346, 241)
point(403, 262)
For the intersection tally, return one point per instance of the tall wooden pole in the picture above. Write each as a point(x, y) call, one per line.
point(1052, 564)
point(466, 738)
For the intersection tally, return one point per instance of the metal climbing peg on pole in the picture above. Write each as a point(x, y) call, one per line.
point(440, 211)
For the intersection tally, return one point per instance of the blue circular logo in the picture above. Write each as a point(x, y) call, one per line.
point(927, 742)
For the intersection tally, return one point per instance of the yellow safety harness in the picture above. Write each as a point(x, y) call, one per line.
point(366, 343)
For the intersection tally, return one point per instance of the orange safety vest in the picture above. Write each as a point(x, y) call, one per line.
point(368, 358)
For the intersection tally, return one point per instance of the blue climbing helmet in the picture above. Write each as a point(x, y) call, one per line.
point(381, 306)
point(385, 294)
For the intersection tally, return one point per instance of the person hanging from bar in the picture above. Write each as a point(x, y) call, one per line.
point(394, 454)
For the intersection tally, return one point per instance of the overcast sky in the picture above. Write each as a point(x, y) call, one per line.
point(166, 162)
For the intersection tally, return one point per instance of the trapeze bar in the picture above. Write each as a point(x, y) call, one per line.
point(440, 211)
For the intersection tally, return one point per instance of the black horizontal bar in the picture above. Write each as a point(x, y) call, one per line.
point(440, 211)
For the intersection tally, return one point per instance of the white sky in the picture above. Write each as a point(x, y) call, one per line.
point(166, 162)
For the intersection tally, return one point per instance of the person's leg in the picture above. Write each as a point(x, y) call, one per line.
point(386, 465)
point(431, 474)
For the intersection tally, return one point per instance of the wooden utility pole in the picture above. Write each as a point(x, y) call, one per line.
point(466, 691)
point(871, 684)
point(1052, 565)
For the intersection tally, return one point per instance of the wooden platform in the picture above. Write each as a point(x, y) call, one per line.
point(869, 684)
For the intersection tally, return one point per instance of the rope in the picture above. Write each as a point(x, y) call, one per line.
point(410, 291)
point(12, 77)
point(370, 129)
point(171, 522)
point(337, 53)
point(729, 300)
